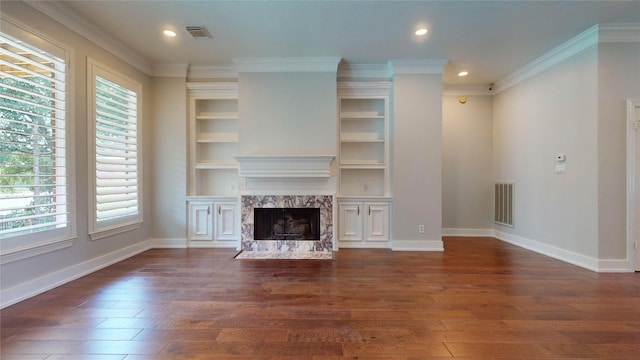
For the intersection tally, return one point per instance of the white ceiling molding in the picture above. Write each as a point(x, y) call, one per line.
point(417, 66)
point(169, 70)
point(288, 64)
point(367, 88)
point(566, 50)
point(212, 72)
point(77, 23)
point(619, 33)
point(467, 90)
point(364, 71)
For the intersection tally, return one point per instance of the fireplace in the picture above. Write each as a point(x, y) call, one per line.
point(300, 189)
point(286, 224)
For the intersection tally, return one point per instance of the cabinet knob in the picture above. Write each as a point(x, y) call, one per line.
point(358, 210)
point(209, 210)
point(219, 210)
point(369, 210)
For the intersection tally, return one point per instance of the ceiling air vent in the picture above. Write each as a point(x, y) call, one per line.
point(199, 32)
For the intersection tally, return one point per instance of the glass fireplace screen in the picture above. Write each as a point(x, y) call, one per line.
point(286, 224)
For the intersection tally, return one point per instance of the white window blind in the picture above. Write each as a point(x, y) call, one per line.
point(117, 156)
point(33, 168)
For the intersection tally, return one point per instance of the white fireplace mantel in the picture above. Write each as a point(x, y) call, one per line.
point(284, 166)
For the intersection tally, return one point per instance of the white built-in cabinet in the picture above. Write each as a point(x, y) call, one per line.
point(364, 195)
point(213, 222)
point(363, 224)
point(212, 199)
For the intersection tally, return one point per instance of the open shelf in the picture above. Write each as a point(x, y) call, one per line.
point(213, 139)
point(363, 123)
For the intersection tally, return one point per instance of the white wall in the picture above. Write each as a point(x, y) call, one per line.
point(467, 190)
point(32, 275)
point(169, 141)
point(417, 160)
point(618, 80)
point(287, 113)
point(552, 112)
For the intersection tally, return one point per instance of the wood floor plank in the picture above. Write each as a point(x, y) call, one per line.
point(479, 299)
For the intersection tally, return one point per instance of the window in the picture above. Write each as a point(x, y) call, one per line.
point(115, 112)
point(34, 180)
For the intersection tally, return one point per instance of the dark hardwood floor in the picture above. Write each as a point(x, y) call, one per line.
point(480, 299)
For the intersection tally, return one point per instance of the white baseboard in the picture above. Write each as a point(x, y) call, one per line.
point(169, 243)
point(362, 245)
point(615, 266)
point(417, 245)
point(467, 232)
point(213, 244)
point(567, 256)
point(39, 285)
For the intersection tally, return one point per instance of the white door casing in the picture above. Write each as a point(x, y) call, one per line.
point(633, 183)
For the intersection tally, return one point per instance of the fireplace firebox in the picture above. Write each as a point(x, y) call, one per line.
point(286, 224)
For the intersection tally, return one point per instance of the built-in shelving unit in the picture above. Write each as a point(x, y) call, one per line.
point(364, 196)
point(212, 199)
point(364, 138)
point(213, 139)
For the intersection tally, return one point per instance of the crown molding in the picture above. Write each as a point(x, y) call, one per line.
point(368, 88)
point(467, 90)
point(566, 50)
point(415, 66)
point(287, 64)
point(364, 71)
point(169, 70)
point(74, 21)
point(212, 72)
point(227, 90)
point(619, 33)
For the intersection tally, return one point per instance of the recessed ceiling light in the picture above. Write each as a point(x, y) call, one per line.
point(169, 33)
point(463, 73)
point(421, 32)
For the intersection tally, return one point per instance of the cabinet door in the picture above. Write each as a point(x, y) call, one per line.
point(200, 221)
point(350, 222)
point(226, 215)
point(377, 223)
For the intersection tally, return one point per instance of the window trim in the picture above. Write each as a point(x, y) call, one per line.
point(95, 68)
point(26, 246)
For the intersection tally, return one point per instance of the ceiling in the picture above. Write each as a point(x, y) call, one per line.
point(490, 39)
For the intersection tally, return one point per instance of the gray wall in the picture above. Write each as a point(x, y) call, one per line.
point(168, 138)
point(618, 80)
point(287, 113)
point(29, 273)
point(549, 113)
point(467, 175)
point(417, 158)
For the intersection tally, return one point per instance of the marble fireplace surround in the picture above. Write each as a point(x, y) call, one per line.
point(322, 202)
point(286, 181)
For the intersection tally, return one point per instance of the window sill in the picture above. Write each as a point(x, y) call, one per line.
point(101, 234)
point(34, 250)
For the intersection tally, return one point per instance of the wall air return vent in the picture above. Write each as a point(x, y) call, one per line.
point(503, 208)
point(199, 32)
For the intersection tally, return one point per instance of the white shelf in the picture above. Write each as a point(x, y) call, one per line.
point(212, 165)
point(363, 166)
point(363, 139)
point(217, 138)
point(217, 116)
point(361, 115)
point(213, 139)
